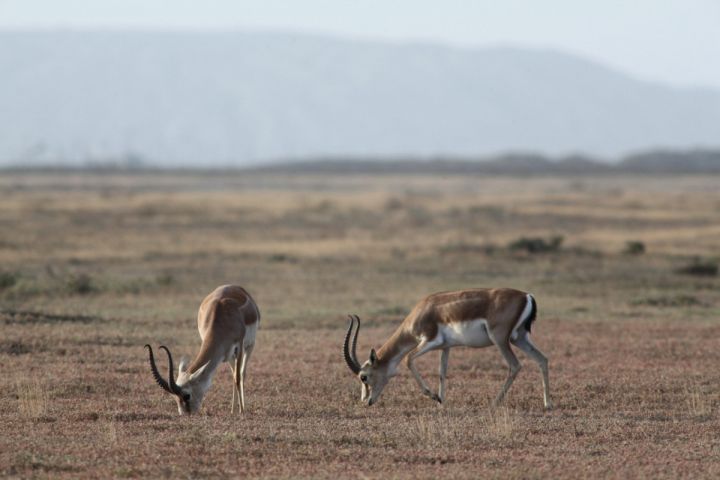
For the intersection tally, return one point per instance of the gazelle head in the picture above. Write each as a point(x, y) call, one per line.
point(190, 388)
point(372, 374)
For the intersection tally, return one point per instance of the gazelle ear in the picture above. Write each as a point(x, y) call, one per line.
point(182, 368)
point(199, 370)
point(373, 356)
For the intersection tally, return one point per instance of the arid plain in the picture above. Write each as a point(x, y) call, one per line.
point(94, 266)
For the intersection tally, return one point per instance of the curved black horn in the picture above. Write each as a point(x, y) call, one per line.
point(171, 375)
point(353, 347)
point(350, 358)
point(156, 375)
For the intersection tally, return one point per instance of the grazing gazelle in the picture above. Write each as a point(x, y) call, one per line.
point(227, 320)
point(465, 318)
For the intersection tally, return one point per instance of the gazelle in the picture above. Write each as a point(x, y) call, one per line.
point(228, 319)
point(465, 318)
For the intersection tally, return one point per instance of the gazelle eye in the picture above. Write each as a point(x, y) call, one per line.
point(186, 397)
point(363, 378)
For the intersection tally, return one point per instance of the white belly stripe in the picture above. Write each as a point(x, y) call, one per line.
point(473, 333)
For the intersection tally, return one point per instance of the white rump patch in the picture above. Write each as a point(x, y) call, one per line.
point(250, 332)
point(523, 316)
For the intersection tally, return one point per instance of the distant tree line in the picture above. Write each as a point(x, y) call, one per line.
point(651, 162)
point(655, 162)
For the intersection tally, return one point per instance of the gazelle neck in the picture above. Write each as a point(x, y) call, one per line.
point(202, 377)
point(395, 349)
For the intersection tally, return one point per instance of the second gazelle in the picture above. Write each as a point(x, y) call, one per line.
point(465, 318)
point(228, 320)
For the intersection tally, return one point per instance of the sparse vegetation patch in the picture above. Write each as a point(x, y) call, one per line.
point(634, 247)
point(80, 284)
point(33, 398)
point(10, 316)
point(670, 300)
point(700, 268)
point(537, 244)
point(8, 279)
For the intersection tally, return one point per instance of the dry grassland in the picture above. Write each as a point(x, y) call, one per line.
point(92, 267)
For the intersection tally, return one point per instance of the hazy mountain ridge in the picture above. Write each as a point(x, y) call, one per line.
point(232, 98)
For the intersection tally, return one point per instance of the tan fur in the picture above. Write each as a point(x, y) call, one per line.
point(222, 320)
point(495, 316)
point(227, 322)
point(501, 307)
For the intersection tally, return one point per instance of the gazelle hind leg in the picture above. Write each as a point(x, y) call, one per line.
point(514, 366)
point(236, 381)
point(245, 357)
point(444, 358)
point(232, 406)
point(524, 343)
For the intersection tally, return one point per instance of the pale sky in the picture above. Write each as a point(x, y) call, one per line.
point(670, 41)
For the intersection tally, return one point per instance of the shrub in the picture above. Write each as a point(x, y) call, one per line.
point(634, 247)
point(393, 204)
point(282, 258)
point(8, 279)
point(537, 244)
point(165, 279)
point(81, 284)
point(699, 267)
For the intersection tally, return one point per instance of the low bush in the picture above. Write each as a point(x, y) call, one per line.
point(79, 284)
point(468, 248)
point(8, 279)
point(634, 247)
point(165, 279)
point(537, 244)
point(282, 258)
point(700, 268)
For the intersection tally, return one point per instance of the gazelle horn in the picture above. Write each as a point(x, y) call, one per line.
point(348, 353)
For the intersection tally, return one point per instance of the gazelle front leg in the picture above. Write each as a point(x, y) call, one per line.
point(514, 366)
point(421, 349)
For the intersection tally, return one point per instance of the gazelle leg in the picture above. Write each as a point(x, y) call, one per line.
point(524, 343)
point(232, 406)
point(236, 380)
point(514, 366)
point(444, 357)
point(421, 349)
point(245, 357)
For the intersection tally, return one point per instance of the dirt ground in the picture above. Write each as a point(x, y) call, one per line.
point(93, 266)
